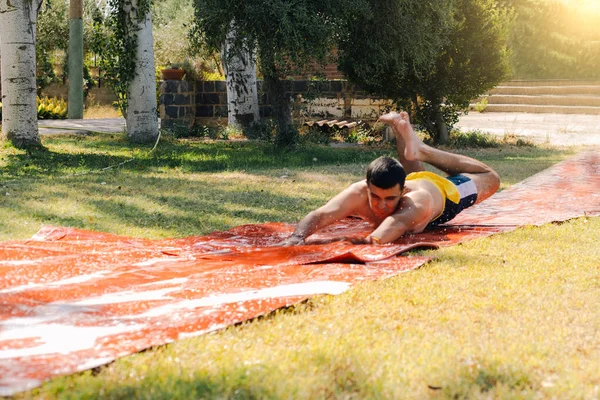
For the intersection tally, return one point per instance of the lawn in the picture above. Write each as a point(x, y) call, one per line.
point(509, 316)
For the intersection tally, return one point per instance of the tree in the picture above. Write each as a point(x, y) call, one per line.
point(288, 36)
point(446, 54)
point(124, 43)
point(397, 38)
point(52, 34)
point(474, 61)
point(141, 117)
point(551, 39)
point(17, 32)
point(75, 110)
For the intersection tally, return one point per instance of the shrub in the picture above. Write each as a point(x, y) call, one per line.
point(471, 139)
point(53, 108)
point(481, 105)
point(313, 134)
point(261, 130)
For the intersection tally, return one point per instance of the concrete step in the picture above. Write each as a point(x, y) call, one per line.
point(531, 108)
point(544, 96)
point(551, 82)
point(542, 90)
point(546, 100)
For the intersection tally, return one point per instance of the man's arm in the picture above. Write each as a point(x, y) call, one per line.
point(342, 205)
point(414, 214)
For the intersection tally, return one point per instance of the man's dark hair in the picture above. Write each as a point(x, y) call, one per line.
point(386, 172)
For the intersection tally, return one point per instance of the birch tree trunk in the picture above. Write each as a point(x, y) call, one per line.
point(142, 119)
point(239, 63)
point(18, 20)
point(0, 67)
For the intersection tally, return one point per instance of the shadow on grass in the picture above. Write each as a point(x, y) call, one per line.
point(336, 377)
point(173, 205)
point(72, 154)
point(76, 154)
point(487, 381)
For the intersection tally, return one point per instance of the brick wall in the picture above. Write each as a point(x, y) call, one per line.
point(205, 103)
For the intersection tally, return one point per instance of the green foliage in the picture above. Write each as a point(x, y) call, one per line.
point(472, 139)
point(53, 108)
point(52, 34)
point(315, 135)
point(171, 21)
point(286, 137)
point(553, 39)
point(115, 41)
point(361, 135)
point(263, 130)
point(432, 63)
point(288, 36)
point(481, 105)
point(392, 39)
point(474, 61)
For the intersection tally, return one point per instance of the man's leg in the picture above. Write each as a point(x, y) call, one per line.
point(409, 165)
point(485, 178)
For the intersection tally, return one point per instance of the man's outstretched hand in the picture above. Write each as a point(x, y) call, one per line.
point(298, 241)
point(291, 241)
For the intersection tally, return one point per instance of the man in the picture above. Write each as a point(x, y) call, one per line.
point(396, 203)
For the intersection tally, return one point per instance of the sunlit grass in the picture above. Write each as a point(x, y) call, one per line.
point(509, 316)
point(94, 111)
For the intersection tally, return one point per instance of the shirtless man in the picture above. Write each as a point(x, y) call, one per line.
point(396, 203)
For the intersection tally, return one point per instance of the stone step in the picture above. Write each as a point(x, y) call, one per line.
point(551, 82)
point(541, 90)
point(546, 100)
point(531, 108)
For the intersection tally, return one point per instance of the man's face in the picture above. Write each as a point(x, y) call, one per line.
point(384, 202)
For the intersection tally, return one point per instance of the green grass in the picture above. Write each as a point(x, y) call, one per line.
point(509, 316)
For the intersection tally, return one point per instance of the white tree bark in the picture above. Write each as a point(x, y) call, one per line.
point(240, 71)
point(142, 119)
point(0, 65)
point(18, 19)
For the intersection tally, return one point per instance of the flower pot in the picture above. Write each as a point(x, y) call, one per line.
point(172, 74)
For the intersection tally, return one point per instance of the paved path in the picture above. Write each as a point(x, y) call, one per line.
point(555, 129)
point(55, 126)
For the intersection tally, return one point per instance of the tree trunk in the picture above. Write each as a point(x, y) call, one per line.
point(275, 87)
point(141, 119)
point(0, 68)
point(18, 20)
point(440, 125)
point(240, 71)
point(424, 118)
point(75, 109)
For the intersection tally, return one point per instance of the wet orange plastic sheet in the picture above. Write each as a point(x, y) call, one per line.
point(569, 189)
point(72, 299)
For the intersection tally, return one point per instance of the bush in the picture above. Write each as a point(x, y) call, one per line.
point(471, 139)
point(313, 134)
point(480, 106)
point(53, 108)
point(364, 135)
point(261, 130)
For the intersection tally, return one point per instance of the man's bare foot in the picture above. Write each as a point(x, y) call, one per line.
point(400, 123)
point(389, 118)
